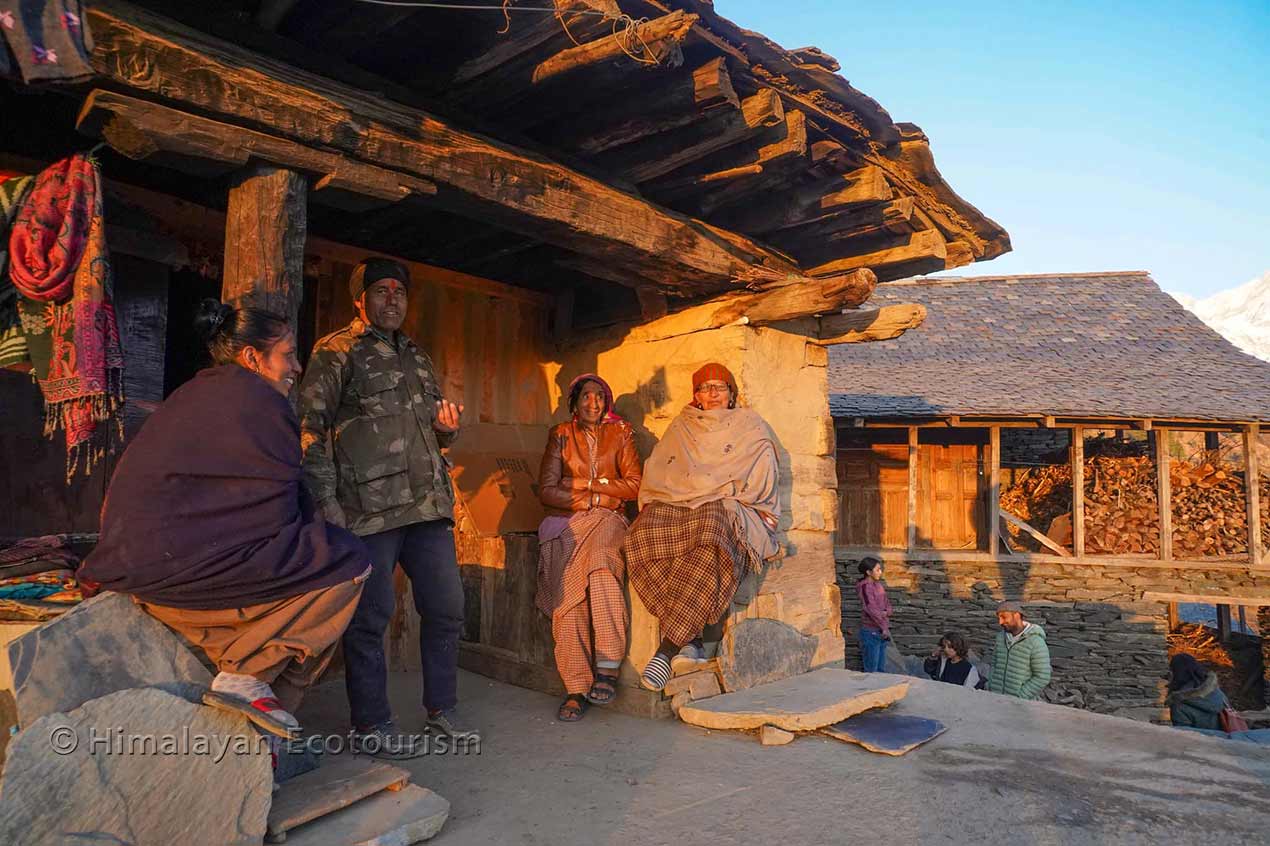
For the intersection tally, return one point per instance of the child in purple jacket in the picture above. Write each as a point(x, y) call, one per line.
point(875, 615)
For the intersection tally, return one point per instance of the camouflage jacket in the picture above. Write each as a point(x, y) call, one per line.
point(366, 415)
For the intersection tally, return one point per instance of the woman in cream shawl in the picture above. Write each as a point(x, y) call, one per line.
point(709, 509)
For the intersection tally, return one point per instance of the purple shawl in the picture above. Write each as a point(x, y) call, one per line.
point(207, 509)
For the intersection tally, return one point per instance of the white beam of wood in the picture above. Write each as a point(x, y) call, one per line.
point(1040, 536)
point(994, 486)
point(1078, 491)
point(1252, 486)
point(1164, 493)
point(912, 488)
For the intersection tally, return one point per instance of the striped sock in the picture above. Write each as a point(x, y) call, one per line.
point(656, 672)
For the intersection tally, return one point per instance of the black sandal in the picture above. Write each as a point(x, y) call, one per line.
point(603, 690)
point(572, 708)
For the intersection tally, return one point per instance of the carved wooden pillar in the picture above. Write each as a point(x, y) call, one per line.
point(264, 240)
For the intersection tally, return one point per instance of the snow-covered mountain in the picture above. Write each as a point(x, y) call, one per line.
point(1240, 314)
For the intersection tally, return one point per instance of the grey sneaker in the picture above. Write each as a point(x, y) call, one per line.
point(688, 660)
point(387, 741)
point(445, 723)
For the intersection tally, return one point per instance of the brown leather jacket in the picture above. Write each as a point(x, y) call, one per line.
point(567, 482)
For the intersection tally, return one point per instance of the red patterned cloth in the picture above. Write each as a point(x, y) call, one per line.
point(60, 265)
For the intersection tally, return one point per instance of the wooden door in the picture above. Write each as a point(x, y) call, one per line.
point(951, 487)
point(873, 496)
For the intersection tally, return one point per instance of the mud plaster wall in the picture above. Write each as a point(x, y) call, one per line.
point(1107, 644)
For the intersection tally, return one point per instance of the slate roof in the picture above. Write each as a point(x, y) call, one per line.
point(1077, 345)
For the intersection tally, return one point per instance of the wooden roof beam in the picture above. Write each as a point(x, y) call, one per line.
point(604, 63)
point(923, 252)
point(143, 130)
point(667, 152)
point(532, 44)
point(882, 324)
point(861, 187)
point(828, 233)
point(681, 99)
point(741, 171)
point(476, 176)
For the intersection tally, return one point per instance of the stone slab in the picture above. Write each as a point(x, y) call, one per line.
point(773, 736)
point(140, 767)
point(340, 781)
point(700, 685)
point(390, 818)
point(104, 644)
point(888, 734)
point(758, 651)
point(803, 703)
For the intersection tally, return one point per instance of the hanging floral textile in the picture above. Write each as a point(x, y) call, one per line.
point(59, 263)
point(13, 355)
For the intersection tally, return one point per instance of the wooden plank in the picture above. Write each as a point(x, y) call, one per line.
point(911, 542)
point(994, 487)
point(143, 130)
point(1164, 493)
point(338, 783)
point(264, 240)
point(1223, 623)
point(1175, 619)
point(1040, 536)
point(1250, 599)
point(1252, 487)
point(1078, 492)
point(476, 176)
point(1025, 558)
point(880, 324)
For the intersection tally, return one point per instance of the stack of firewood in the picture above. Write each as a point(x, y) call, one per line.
point(1210, 514)
point(1040, 496)
point(1209, 510)
point(1121, 515)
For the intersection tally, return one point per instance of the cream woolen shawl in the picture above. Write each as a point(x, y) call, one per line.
point(727, 454)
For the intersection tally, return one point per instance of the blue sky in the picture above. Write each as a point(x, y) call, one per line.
point(1102, 136)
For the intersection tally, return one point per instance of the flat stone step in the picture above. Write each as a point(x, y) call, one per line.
point(338, 782)
point(410, 815)
point(888, 734)
point(802, 703)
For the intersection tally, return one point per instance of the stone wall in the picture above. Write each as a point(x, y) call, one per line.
point(1107, 643)
point(783, 378)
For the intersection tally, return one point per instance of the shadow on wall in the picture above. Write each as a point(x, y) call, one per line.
point(1107, 656)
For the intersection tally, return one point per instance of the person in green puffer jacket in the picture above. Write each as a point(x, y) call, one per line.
point(1194, 698)
point(1021, 662)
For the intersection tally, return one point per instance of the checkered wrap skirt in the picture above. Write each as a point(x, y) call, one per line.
point(686, 563)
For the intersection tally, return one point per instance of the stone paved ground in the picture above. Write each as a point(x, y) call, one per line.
point(1005, 772)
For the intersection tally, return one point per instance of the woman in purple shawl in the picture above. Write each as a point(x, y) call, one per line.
point(208, 526)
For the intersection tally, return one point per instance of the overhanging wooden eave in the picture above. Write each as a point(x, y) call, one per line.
point(157, 58)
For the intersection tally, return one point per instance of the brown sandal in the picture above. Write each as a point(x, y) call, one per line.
point(572, 708)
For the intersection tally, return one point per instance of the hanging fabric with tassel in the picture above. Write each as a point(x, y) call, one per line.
point(59, 263)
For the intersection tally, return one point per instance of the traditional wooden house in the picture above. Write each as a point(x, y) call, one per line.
point(632, 187)
point(1080, 442)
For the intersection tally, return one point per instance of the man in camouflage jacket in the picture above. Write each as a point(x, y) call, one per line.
point(372, 426)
